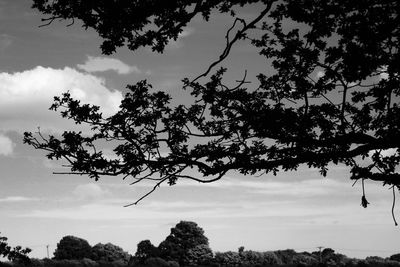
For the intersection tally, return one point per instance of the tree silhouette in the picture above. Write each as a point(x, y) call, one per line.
point(72, 248)
point(330, 98)
point(145, 249)
point(109, 253)
point(185, 241)
point(16, 254)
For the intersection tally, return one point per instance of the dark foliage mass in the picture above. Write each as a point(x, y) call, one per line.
point(331, 97)
point(185, 245)
point(109, 253)
point(188, 246)
point(72, 248)
point(184, 238)
point(15, 254)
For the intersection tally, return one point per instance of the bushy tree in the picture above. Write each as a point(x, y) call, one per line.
point(72, 248)
point(109, 253)
point(395, 257)
point(15, 254)
point(200, 255)
point(329, 95)
point(145, 249)
point(157, 262)
point(286, 256)
point(184, 236)
point(270, 258)
point(228, 258)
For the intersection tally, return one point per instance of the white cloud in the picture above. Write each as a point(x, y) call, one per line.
point(17, 199)
point(309, 188)
point(90, 191)
point(26, 96)
point(295, 212)
point(384, 153)
point(6, 145)
point(100, 64)
point(320, 74)
point(178, 43)
point(384, 75)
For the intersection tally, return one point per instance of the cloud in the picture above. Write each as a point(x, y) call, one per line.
point(320, 74)
point(305, 188)
point(288, 212)
point(17, 199)
point(178, 43)
point(101, 64)
point(384, 75)
point(6, 145)
point(90, 191)
point(26, 96)
point(384, 153)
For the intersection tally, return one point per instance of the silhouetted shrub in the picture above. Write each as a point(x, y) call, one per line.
point(72, 248)
point(157, 262)
point(395, 257)
point(109, 253)
point(229, 258)
point(199, 255)
point(145, 249)
point(183, 237)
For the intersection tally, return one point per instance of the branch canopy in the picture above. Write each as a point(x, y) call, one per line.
point(332, 97)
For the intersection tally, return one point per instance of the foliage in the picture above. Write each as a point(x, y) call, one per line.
point(185, 236)
point(72, 248)
point(128, 22)
point(395, 257)
point(200, 255)
point(109, 253)
point(15, 254)
point(332, 97)
point(228, 258)
point(157, 262)
point(286, 256)
point(145, 249)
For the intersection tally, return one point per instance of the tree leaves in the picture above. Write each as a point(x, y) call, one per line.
point(332, 97)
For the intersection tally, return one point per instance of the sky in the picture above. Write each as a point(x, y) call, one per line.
point(299, 210)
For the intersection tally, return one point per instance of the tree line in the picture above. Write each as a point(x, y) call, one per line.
point(186, 245)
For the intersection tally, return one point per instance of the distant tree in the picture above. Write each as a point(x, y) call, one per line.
point(329, 93)
point(330, 257)
point(374, 258)
point(270, 258)
point(286, 256)
point(72, 248)
point(145, 249)
point(395, 257)
point(228, 258)
point(200, 255)
point(184, 236)
point(305, 259)
point(15, 254)
point(327, 253)
point(109, 253)
point(251, 258)
point(157, 262)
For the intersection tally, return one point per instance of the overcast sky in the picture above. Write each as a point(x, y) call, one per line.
point(299, 210)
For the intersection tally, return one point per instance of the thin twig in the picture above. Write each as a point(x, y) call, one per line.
point(394, 203)
point(239, 34)
point(148, 193)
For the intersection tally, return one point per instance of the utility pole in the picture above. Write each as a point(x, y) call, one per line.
point(320, 254)
point(47, 247)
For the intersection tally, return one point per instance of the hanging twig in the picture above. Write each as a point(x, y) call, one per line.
point(364, 201)
point(394, 203)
